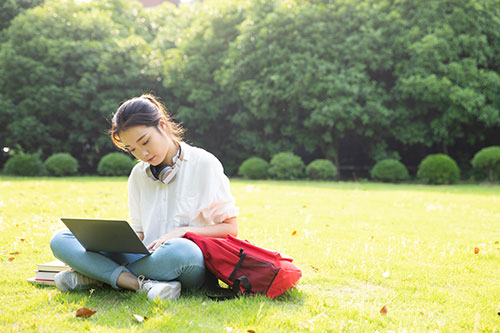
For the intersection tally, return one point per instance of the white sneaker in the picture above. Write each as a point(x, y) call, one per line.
point(159, 289)
point(71, 280)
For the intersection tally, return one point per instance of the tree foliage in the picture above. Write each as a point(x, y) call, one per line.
point(64, 68)
point(401, 79)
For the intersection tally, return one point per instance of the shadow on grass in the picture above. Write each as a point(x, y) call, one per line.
point(115, 308)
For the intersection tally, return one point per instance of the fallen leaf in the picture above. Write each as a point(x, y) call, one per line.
point(294, 232)
point(476, 250)
point(383, 311)
point(11, 258)
point(315, 268)
point(22, 239)
point(250, 331)
point(15, 253)
point(84, 313)
point(140, 319)
point(409, 276)
point(421, 313)
point(496, 242)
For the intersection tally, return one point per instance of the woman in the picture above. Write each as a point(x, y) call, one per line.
point(174, 189)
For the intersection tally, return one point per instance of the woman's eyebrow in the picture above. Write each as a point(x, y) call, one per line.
point(142, 136)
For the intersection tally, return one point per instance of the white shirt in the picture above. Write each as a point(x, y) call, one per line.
point(198, 196)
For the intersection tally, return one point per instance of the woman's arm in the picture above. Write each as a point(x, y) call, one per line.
point(227, 227)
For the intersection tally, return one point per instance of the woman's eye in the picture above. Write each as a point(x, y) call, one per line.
point(132, 150)
point(145, 143)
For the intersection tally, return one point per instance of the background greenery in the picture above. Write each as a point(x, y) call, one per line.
point(360, 247)
point(352, 81)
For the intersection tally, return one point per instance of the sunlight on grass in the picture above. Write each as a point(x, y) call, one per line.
point(360, 247)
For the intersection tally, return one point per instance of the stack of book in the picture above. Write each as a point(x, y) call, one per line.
point(46, 272)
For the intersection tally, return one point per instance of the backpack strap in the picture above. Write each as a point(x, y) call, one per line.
point(242, 281)
point(242, 257)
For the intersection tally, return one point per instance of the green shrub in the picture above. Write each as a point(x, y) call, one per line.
point(115, 164)
point(254, 168)
point(24, 165)
point(438, 169)
point(389, 170)
point(488, 160)
point(61, 164)
point(286, 166)
point(321, 169)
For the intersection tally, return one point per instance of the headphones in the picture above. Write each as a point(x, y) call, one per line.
point(166, 173)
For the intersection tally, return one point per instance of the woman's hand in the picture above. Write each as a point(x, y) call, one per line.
point(177, 233)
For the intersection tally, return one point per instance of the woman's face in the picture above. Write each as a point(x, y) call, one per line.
point(149, 144)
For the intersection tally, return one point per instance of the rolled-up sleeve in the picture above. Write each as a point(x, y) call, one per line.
point(216, 203)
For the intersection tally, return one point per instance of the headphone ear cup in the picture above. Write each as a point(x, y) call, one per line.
point(149, 173)
point(163, 173)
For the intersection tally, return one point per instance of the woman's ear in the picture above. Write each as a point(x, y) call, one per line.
point(163, 125)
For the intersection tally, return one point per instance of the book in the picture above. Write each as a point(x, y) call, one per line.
point(42, 282)
point(45, 275)
point(46, 272)
point(53, 266)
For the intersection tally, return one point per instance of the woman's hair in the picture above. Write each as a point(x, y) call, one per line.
point(144, 110)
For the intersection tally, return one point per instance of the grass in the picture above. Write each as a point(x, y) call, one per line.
point(360, 247)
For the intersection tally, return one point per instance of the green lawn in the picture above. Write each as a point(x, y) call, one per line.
point(360, 247)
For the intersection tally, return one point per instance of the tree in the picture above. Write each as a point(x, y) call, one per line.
point(11, 8)
point(64, 69)
point(191, 76)
point(303, 75)
point(447, 79)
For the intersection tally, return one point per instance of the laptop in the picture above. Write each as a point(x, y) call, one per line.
point(115, 236)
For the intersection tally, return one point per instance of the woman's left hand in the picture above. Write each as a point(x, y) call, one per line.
point(177, 233)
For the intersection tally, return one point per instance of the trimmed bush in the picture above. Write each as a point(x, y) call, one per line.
point(24, 165)
point(488, 160)
point(389, 170)
point(321, 169)
point(115, 164)
point(61, 164)
point(438, 169)
point(286, 166)
point(254, 168)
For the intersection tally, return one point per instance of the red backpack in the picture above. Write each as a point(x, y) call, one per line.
point(247, 269)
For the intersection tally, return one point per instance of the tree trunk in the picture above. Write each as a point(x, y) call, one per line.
point(331, 152)
point(445, 148)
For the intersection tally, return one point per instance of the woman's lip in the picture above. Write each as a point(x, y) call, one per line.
point(151, 159)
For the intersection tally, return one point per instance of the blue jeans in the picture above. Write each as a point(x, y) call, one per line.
point(178, 259)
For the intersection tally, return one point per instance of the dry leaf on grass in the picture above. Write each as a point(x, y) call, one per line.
point(294, 232)
point(84, 313)
point(140, 319)
point(11, 258)
point(383, 311)
point(476, 250)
